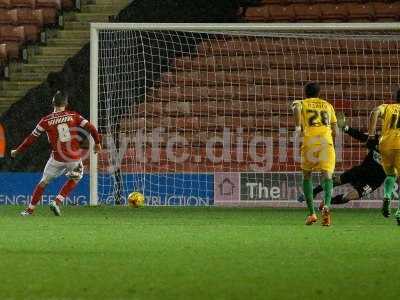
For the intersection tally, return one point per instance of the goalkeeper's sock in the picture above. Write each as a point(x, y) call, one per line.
point(327, 185)
point(318, 189)
point(389, 187)
point(65, 190)
point(308, 193)
point(36, 197)
point(339, 199)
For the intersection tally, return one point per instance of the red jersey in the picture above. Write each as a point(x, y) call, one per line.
point(63, 132)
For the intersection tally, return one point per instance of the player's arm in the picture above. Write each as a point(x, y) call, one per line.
point(373, 121)
point(95, 135)
point(355, 133)
point(296, 107)
point(372, 143)
point(85, 124)
point(333, 122)
point(29, 141)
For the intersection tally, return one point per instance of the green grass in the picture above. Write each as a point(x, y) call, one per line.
point(197, 253)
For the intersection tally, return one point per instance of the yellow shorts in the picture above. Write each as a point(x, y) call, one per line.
point(318, 158)
point(390, 160)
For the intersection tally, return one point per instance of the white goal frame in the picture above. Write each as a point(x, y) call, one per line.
point(206, 27)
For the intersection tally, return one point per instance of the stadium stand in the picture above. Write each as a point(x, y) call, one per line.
point(33, 36)
point(322, 10)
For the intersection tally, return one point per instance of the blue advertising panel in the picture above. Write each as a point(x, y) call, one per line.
point(159, 189)
point(16, 188)
point(162, 189)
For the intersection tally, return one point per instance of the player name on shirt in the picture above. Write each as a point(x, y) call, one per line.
point(317, 105)
point(63, 119)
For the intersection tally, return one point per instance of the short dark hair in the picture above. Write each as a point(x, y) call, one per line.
point(396, 94)
point(312, 89)
point(60, 99)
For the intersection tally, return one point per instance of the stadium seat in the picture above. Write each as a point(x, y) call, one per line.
point(387, 10)
point(305, 12)
point(12, 33)
point(23, 3)
point(334, 11)
point(5, 4)
point(8, 16)
point(68, 4)
point(32, 33)
point(49, 15)
point(11, 50)
point(360, 11)
point(280, 12)
point(31, 17)
point(257, 13)
point(56, 4)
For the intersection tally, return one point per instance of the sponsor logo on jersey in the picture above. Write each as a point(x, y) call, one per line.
point(60, 120)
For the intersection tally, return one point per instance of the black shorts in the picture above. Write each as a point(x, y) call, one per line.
point(364, 180)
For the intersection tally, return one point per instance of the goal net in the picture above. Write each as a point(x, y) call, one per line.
point(200, 114)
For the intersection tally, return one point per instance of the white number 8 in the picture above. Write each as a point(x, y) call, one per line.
point(63, 133)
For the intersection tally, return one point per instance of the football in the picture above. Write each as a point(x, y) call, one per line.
point(136, 199)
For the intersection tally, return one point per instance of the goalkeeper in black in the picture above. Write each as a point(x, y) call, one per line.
point(364, 178)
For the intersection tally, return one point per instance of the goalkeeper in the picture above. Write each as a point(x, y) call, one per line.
point(364, 178)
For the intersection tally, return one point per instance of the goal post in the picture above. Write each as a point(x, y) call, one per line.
point(199, 114)
point(94, 39)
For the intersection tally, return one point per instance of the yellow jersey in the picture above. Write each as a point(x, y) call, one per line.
point(317, 116)
point(390, 137)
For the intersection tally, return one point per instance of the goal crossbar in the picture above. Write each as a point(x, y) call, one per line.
point(378, 26)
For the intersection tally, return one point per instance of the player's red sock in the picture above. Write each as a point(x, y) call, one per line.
point(36, 197)
point(65, 190)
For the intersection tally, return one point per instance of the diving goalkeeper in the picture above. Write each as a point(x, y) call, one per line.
point(364, 178)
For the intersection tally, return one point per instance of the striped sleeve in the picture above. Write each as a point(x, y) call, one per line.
point(39, 129)
point(81, 120)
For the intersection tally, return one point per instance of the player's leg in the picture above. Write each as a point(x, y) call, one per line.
point(318, 189)
point(343, 198)
point(349, 176)
point(50, 172)
point(397, 171)
point(74, 172)
point(327, 165)
point(351, 195)
point(36, 197)
point(327, 185)
point(308, 193)
point(307, 164)
point(389, 183)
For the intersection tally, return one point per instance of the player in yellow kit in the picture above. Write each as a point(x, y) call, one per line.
point(389, 147)
point(314, 120)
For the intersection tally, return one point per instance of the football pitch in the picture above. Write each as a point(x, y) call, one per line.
point(197, 253)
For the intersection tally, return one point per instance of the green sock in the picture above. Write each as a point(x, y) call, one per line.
point(327, 185)
point(389, 186)
point(308, 193)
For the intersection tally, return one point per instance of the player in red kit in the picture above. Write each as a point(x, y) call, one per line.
point(62, 128)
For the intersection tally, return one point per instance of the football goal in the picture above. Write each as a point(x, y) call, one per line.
point(199, 114)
